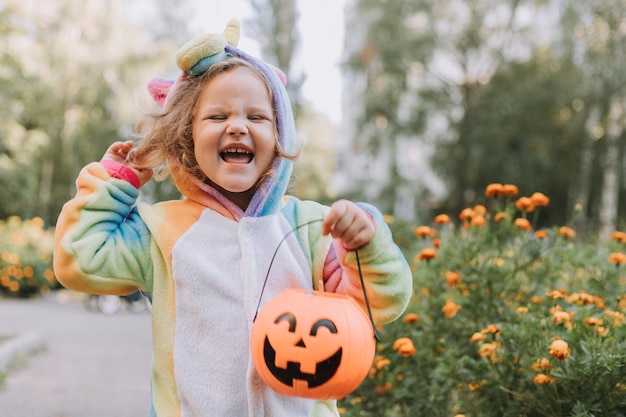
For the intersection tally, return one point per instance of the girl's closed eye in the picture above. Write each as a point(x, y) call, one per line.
point(216, 117)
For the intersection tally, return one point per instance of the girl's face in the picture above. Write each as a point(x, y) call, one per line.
point(233, 133)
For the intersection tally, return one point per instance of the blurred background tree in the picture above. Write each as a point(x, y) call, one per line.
point(514, 91)
point(71, 73)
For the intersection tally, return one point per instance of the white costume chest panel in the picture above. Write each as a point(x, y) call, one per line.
point(219, 267)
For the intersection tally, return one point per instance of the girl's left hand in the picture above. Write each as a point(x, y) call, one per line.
point(348, 222)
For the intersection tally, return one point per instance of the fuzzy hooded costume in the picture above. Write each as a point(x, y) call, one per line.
point(204, 261)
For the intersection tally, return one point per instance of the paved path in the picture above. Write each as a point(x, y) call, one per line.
point(94, 365)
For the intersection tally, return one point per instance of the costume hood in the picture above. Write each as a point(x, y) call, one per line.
point(195, 58)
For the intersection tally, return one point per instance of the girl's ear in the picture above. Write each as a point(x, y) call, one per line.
point(158, 89)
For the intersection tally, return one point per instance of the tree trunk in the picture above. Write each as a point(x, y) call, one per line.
point(581, 188)
point(610, 184)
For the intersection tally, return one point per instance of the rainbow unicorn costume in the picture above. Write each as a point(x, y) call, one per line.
point(204, 261)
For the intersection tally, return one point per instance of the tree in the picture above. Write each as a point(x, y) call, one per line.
point(70, 96)
point(420, 65)
point(275, 26)
point(485, 80)
point(600, 40)
point(525, 131)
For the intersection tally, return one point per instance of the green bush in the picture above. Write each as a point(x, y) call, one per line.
point(504, 321)
point(26, 249)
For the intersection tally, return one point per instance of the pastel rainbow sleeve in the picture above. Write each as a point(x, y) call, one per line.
point(101, 243)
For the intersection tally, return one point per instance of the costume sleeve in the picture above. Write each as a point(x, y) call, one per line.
point(387, 276)
point(101, 243)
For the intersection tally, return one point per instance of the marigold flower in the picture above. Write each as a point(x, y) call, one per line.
point(436, 243)
point(404, 346)
point(521, 310)
point(381, 362)
point(560, 349)
point(452, 278)
point(411, 318)
point(540, 199)
point(494, 190)
point(581, 298)
point(525, 204)
point(473, 386)
point(541, 364)
point(384, 389)
point(602, 331)
point(477, 337)
point(450, 309)
point(599, 302)
point(564, 318)
point(427, 254)
point(442, 219)
point(487, 349)
point(479, 221)
point(541, 234)
point(618, 318)
point(492, 328)
point(480, 210)
point(618, 236)
point(536, 299)
point(510, 190)
point(592, 321)
point(425, 231)
point(554, 294)
point(542, 379)
point(523, 224)
point(498, 217)
point(466, 214)
point(567, 232)
point(617, 258)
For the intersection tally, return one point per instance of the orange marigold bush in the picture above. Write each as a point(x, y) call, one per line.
point(26, 248)
point(513, 321)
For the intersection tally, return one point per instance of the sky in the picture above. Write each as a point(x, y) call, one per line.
point(321, 25)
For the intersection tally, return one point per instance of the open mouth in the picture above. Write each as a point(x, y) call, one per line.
point(237, 156)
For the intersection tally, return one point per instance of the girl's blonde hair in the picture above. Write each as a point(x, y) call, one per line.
point(168, 134)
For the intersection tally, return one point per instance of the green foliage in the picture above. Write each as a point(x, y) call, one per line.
point(521, 88)
point(26, 257)
point(71, 79)
point(504, 321)
point(531, 119)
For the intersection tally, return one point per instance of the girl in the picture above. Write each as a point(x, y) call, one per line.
point(226, 135)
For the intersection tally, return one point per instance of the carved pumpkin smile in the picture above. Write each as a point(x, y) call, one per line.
point(286, 371)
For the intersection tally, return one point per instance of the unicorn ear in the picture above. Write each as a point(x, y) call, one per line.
point(158, 89)
point(280, 73)
point(231, 32)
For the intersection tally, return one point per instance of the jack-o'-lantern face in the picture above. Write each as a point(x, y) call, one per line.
point(313, 345)
point(293, 362)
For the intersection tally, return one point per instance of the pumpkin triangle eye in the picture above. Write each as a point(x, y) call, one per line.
point(291, 319)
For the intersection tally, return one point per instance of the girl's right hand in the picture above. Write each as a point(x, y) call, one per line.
point(122, 152)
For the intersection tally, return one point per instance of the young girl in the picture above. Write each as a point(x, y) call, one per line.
point(226, 135)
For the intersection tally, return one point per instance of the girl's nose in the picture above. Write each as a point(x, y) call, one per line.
point(237, 126)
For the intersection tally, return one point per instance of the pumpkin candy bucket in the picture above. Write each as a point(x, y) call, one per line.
point(312, 344)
